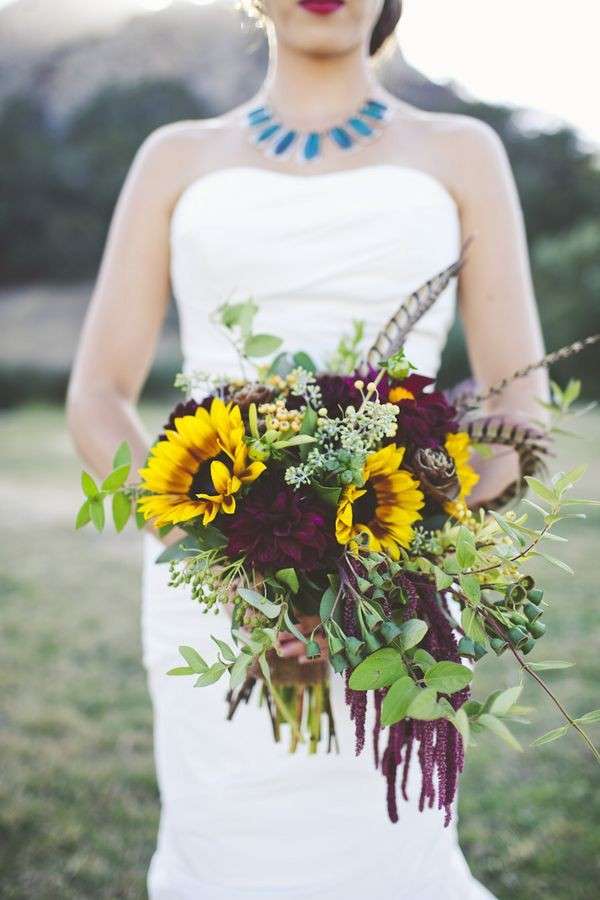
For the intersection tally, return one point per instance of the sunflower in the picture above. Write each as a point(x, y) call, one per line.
point(458, 446)
point(199, 468)
point(384, 508)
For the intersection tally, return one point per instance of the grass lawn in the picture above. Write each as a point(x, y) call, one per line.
point(78, 800)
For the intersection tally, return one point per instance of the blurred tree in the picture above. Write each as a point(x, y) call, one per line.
point(567, 277)
point(104, 136)
point(557, 177)
point(58, 189)
point(29, 189)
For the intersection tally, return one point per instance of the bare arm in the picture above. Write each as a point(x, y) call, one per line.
point(497, 302)
point(126, 312)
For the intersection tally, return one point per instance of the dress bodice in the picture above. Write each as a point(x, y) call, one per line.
point(315, 253)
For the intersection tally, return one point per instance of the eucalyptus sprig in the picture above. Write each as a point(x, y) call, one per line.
point(237, 321)
point(114, 485)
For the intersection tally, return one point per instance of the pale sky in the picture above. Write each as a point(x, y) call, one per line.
point(533, 53)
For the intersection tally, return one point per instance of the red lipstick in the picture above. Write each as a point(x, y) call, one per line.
point(321, 7)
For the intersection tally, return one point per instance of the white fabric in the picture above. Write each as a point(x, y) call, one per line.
point(241, 818)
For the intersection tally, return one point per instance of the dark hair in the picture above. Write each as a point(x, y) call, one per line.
point(385, 25)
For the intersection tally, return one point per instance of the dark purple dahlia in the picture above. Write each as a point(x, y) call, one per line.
point(425, 420)
point(187, 408)
point(278, 527)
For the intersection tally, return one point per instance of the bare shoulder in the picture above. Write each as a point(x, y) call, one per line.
point(466, 154)
point(470, 154)
point(174, 155)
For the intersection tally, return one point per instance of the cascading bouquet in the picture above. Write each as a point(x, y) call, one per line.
point(334, 506)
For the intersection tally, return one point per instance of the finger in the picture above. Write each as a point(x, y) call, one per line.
point(292, 648)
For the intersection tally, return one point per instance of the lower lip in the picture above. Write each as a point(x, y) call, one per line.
point(324, 8)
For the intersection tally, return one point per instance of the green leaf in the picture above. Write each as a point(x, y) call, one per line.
point(296, 440)
point(589, 718)
point(121, 510)
point(239, 669)
point(551, 736)
point(472, 627)
point(210, 538)
point(193, 659)
point(460, 720)
point(448, 677)
point(309, 421)
point(412, 633)
point(378, 670)
point(539, 488)
point(425, 707)
point(535, 506)
point(304, 361)
point(555, 562)
point(571, 392)
point(116, 479)
point(471, 587)
point(123, 456)
point(97, 513)
point(240, 314)
point(327, 603)
point(293, 628)
point(503, 702)
point(226, 651)
point(140, 519)
point(83, 516)
point(570, 479)
point(264, 668)
point(180, 550)
point(261, 345)
point(498, 727)
point(506, 528)
point(211, 675)
point(442, 579)
point(397, 700)
point(181, 670)
point(548, 665)
point(282, 365)
point(465, 548)
point(289, 578)
point(423, 659)
point(260, 602)
point(329, 494)
point(90, 488)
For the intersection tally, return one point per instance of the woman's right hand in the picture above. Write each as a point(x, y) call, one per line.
point(290, 646)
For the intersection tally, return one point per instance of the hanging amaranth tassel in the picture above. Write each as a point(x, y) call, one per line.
point(437, 745)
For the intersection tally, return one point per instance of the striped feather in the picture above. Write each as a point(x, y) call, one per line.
point(393, 335)
point(531, 445)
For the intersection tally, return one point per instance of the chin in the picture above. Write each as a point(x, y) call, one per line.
point(332, 34)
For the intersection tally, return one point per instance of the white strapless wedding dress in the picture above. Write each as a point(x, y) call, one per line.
point(241, 818)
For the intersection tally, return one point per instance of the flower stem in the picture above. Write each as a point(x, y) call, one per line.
point(531, 672)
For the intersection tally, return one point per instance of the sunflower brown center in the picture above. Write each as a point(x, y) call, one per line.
point(365, 506)
point(202, 482)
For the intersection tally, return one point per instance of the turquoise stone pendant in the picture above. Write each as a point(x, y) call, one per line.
point(277, 140)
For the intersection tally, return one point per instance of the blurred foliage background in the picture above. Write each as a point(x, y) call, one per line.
point(72, 120)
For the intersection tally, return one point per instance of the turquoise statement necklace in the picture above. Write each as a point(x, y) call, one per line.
point(271, 135)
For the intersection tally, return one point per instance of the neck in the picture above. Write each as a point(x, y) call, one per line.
point(314, 88)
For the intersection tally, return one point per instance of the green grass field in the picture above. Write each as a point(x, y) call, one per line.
point(78, 804)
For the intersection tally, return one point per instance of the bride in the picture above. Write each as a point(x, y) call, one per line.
point(325, 199)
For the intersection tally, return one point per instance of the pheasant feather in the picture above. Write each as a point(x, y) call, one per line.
point(470, 400)
point(393, 335)
point(530, 444)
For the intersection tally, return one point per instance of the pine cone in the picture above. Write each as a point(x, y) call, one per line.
point(251, 393)
point(436, 471)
